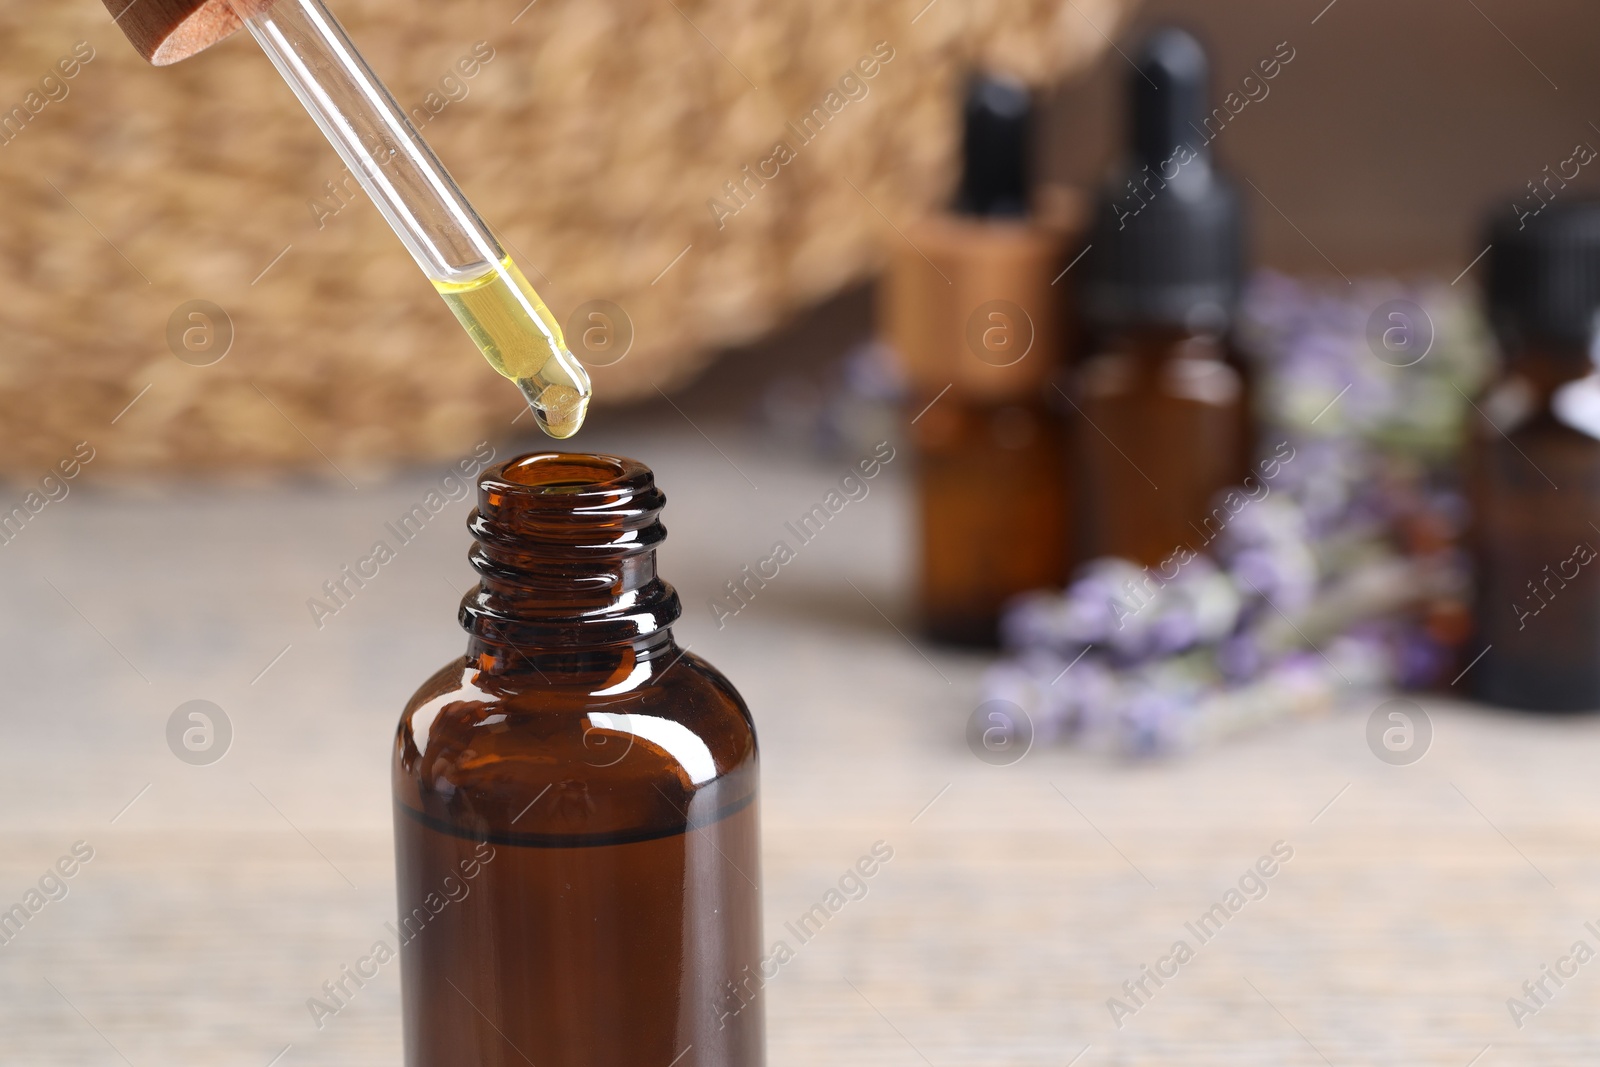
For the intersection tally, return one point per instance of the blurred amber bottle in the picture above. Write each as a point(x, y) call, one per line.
point(575, 802)
point(1164, 404)
point(970, 311)
point(1534, 467)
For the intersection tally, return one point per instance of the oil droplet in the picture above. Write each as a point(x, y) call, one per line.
point(559, 409)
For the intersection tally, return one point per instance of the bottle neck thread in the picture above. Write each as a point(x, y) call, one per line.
point(566, 558)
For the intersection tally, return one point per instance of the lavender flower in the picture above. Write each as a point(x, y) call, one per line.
point(1169, 662)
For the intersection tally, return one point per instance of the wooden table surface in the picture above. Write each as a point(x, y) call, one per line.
point(1019, 899)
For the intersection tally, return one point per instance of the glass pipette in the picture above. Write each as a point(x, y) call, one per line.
point(500, 311)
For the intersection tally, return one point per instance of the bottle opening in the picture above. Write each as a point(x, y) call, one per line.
point(576, 499)
point(556, 472)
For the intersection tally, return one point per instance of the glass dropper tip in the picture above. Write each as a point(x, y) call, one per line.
point(491, 298)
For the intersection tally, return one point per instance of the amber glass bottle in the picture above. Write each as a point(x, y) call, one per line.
point(575, 802)
point(1534, 468)
point(1163, 429)
point(971, 314)
point(976, 554)
point(1164, 403)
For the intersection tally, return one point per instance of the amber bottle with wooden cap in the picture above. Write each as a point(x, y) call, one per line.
point(970, 312)
point(1163, 401)
point(575, 802)
point(1534, 468)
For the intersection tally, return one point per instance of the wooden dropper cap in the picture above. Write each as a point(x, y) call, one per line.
point(166, 31)
point(969, 302)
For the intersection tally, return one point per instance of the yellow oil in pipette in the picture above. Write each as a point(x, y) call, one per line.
point(519, 337)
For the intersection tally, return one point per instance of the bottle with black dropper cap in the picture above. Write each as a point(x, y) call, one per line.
point(1165, 402)
point(1534, 466)
point(973, 320)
